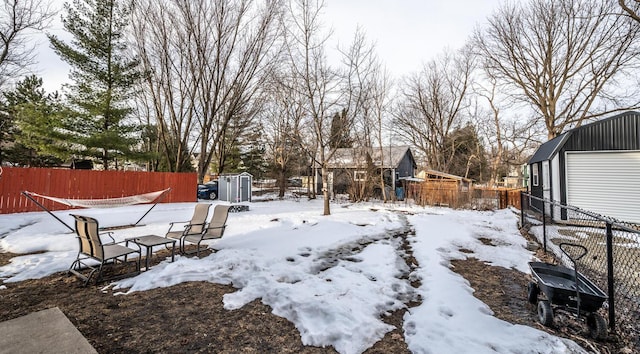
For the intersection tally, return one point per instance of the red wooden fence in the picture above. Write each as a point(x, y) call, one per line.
point(87, 184)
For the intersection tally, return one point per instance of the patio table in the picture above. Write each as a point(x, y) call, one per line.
point(149, 241)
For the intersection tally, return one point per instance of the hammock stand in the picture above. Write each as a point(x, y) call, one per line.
point(102, 203)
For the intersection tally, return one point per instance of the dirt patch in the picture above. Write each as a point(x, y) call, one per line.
point(190, 318)
point(185, 318)
point(5, 258)
point(505, 292)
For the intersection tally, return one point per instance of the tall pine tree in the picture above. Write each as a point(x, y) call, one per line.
point(103, 78)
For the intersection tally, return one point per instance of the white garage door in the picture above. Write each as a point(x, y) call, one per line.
point(607, 183)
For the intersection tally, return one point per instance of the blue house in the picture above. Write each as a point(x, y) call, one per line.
point(353, 165)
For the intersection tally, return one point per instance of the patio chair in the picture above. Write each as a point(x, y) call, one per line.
point(195, 226)
point(94, 254)
point(213, 230)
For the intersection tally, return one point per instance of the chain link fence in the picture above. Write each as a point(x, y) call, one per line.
point(612, 261)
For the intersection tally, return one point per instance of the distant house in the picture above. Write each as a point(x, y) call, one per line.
point(517, 177)
point(595, 167)
point(352, 165)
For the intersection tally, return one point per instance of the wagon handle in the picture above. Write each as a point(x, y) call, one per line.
point(581, 247)
point(575, 268)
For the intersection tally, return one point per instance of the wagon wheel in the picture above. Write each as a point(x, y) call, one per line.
point(545, 313)
point(597, 326)
point(532, 293)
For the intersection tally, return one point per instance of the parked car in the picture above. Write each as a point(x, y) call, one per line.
point(295, 182)
point(208, 190)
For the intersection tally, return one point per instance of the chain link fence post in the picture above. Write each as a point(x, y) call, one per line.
point(610, 279)
point(544, 226)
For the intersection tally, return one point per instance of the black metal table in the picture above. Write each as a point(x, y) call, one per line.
point(149, 241)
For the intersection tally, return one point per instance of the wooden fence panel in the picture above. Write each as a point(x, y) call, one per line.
point(450, 195)
point(87, 184)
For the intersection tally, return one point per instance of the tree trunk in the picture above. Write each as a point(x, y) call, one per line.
point(325, 189)
point(281, 183)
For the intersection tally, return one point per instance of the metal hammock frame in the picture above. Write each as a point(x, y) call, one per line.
point(101, 203)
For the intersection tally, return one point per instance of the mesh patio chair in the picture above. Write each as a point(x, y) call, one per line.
point(195, 226)
point(94, 254)
point(213, 230)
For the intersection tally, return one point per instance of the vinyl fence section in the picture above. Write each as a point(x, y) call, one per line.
point(87, 184)
point(612, 261)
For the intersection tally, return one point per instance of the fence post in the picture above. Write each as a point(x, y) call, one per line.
point(521, 209)
point(610, 279)
point(544, 227)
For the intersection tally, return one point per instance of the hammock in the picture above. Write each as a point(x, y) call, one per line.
point(104, 203)
point(100, 203)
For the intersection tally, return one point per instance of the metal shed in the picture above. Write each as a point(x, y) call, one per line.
point(235, 188)
point(594, 167)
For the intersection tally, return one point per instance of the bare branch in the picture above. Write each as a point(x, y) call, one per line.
point(18, 20)
point(565, 58)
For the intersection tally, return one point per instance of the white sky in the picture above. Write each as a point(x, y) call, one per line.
point(333, 277)
point(406, 32)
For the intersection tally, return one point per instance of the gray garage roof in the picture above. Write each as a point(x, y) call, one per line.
point(620, 132)
point(547, 150)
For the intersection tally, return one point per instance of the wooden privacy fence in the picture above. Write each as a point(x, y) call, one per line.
point(447, 193)
point(87, 184)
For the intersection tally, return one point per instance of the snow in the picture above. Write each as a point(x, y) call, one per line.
point(334, 277)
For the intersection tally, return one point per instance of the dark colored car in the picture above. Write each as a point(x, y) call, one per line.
point(295, 182)
point(208, 190)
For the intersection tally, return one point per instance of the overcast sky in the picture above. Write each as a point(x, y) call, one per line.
point(406, 32)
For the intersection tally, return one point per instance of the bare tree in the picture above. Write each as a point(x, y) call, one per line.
point(168, 93)
point(18, 19)
point(565, 58)
point(365, 90)
point(213, 57)
point(432, 103)
point(283, 113)
point(316, 82)
point(509, 138)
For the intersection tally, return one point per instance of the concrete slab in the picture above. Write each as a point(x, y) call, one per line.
point(47, 331)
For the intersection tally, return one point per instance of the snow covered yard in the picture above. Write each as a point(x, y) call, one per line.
point(334, 277)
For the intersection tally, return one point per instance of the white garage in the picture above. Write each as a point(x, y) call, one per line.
point(595, 167)
point(607, 183)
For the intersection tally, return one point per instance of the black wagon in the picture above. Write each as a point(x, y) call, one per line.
point(556, 287)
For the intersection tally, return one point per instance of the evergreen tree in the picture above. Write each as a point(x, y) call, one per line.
point(340, 131)
point(36, 130)
point(7, 129)
point(103, 78)
point(465, 154)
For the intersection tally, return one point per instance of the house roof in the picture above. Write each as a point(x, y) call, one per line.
point(446, 176)
point(385, 157)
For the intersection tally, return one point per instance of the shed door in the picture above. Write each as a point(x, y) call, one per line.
point(546, 178)
point(245, 188)
point(607, 183)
